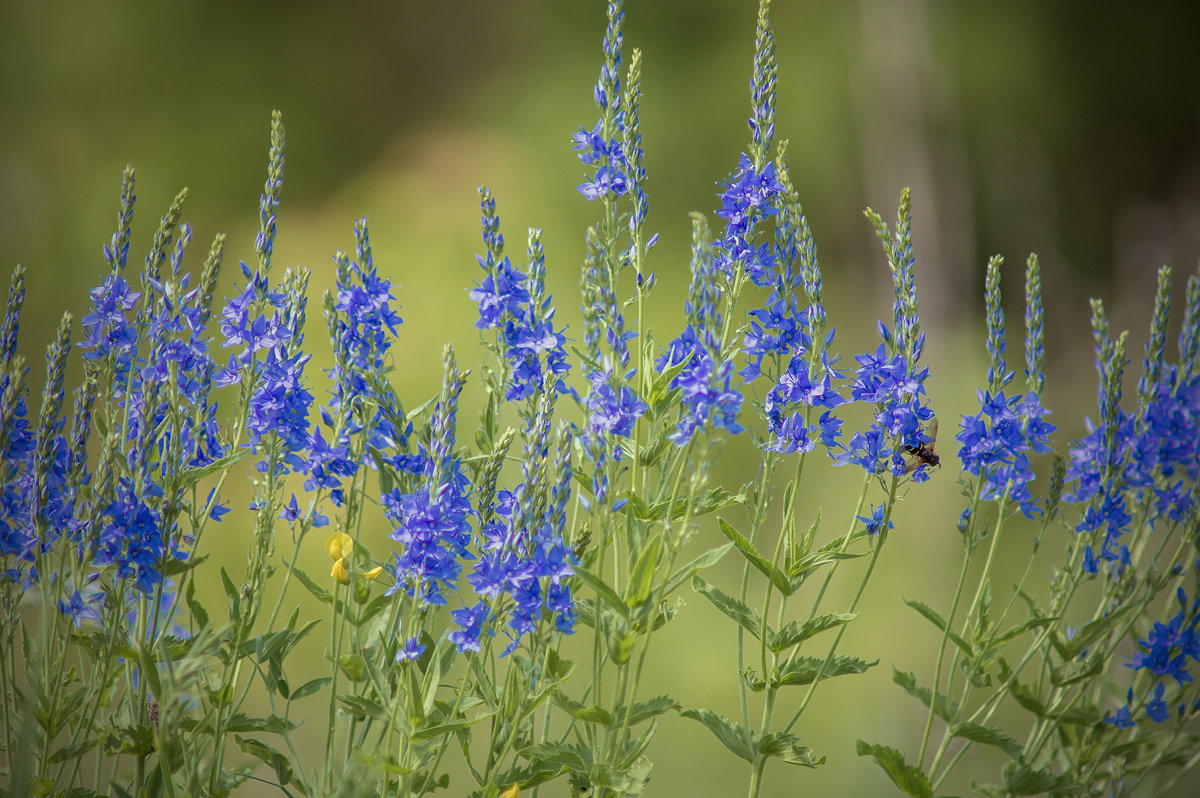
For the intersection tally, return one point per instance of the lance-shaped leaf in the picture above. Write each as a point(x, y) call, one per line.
point(742, 615)
point(705, 560)
point(937, 620)
point(760, 563)
point(944, 707)
point(602, 589)
point(641, 578)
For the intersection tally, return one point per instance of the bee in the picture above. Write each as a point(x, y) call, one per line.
point(923, 453)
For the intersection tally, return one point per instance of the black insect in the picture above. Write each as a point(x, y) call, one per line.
point(924, 452)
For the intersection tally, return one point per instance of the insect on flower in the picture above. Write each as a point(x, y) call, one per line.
point(923, 453)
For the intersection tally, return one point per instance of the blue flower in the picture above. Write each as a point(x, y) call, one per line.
point(875, 522)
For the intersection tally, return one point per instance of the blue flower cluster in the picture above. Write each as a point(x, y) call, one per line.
point(603, 147)
point(517, 304)
point(704, 378)
point(433, 524)
point(1151, 455)
point(362, 326)
point(522, 552)
point(1166, 652)
point(271, 359)
point(997, 440)
point(890, 377)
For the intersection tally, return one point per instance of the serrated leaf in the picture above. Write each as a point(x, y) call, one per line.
point(909, 779)
point(642, 711)
point(945, 707)
point(798, 631)
point(731, 734)
point(937, 620)
point(742, 615)
point(558, 755)
point(588, 714)
point(988, 735)
point(1020, 779)
point(809, 563)
point(786, 747)
point(194, 606)
point(760, 563)
point(804, 670)
point(74, 751)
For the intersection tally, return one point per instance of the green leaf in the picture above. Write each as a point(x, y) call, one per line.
point(911, 780)
point(1020, 779)
point(1076, 671)
point(641, 578)
point(1017, 631)
point(831, 552)
point(321, 593)
point(558, 755)
point(731, 734)
point(708, 558)
point(361, 707)
point(309, 688)
point(354, 666)
point(804, 670)
point(197, 610)
point(602, 590)
point(442, 729)
point(933, 617)
point(798, 631)
point(760, 563)
point(261, 751)
point(988, 735)
point(945, 707)
point(1092, 631)
point(645, 710)
point(173, 567)
point(742, 615)
point(191, 476)
point(73, 751)
point(149, 670)
point(231, 590)
point(588, 714)
point(786, 747)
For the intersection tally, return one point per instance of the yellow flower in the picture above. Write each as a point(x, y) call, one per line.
point(511, 792)
point(339, 545)
point(339, 571)
point(374, 572)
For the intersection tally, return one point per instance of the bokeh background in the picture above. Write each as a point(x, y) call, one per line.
point(1069, 130)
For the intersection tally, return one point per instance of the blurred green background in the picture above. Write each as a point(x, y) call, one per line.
point(1021, 126)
